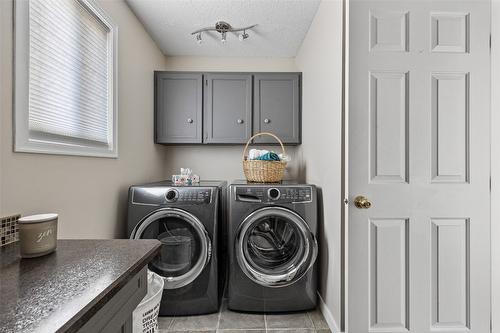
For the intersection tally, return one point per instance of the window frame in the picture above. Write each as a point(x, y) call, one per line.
point(25, 141)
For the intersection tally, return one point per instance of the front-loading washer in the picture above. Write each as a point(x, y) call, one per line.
point(272, 243)
point(187, 220)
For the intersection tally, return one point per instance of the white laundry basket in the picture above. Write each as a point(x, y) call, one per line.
point(145, 316)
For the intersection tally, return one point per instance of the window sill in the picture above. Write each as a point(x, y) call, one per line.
point(55, 148)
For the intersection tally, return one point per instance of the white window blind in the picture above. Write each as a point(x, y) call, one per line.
point(69, 69)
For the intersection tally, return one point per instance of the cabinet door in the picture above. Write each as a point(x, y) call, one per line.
point(228, 108)
point(277, 107)
point(178, 107)
point(116, 315)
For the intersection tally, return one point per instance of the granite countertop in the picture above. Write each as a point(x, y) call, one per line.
point(62, 290)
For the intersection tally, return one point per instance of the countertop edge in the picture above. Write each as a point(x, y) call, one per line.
point(88, 311)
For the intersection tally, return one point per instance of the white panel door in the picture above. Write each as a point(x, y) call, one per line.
point(419, 137)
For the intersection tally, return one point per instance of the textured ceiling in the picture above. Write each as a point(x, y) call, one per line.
point(282, 25)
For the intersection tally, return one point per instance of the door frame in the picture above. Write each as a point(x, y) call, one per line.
point(344, 288)
point(495, 166)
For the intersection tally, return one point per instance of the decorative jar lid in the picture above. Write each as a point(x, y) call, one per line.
point(38, 218)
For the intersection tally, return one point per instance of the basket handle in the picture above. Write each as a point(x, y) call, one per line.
point(259, 134)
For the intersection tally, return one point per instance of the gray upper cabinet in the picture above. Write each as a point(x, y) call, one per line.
point(178, 107)
point(228, 108)
point(277, 106)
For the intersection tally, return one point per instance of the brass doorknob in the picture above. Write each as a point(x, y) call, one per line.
point(361, 202)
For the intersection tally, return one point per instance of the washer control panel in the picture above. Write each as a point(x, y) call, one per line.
point(274, 194)
point(159, 196)
point(194, 195)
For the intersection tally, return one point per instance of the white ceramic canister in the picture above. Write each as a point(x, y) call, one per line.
point(37, 235)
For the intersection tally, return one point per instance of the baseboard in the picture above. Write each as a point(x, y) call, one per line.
point(330, 320)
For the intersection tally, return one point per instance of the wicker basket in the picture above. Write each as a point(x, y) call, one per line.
point(263, 171)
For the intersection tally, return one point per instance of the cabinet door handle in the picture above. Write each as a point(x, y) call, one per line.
point(240, 121)
point(190, 121)
point(267, 120)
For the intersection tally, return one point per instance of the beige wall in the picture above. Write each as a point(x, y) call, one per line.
point(320, 60)
point(88, 193)
point(222, 162)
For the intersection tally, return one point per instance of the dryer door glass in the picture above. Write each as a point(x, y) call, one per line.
point(185, 245)
point(275, 247)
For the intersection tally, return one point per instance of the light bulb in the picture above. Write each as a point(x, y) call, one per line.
point(223, 40)
point(243, 36)
point(198, 39)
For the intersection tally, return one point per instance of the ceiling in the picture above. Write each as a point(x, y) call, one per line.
point(282, 25)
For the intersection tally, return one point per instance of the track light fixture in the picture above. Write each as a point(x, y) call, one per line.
point(223, 28)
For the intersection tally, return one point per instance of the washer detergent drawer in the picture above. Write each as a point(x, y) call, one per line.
point(149, 196)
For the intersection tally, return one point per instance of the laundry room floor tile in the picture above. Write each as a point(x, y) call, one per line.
point(195, 323)
point(317, 319)
point(290, 330)
point(237, 320)
point(241, 331)
point(227, 321)
point(292, 320)
point(190, 331)
point(164, 322)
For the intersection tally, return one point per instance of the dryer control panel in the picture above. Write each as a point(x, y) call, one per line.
point(274, 194)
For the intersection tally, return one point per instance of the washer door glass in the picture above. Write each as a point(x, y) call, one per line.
point(185, 245)
point(275, 247)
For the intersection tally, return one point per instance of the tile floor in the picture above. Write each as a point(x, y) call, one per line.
point(227, 321)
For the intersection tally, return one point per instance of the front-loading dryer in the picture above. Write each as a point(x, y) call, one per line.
point(272, 247)
point(187, 220)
